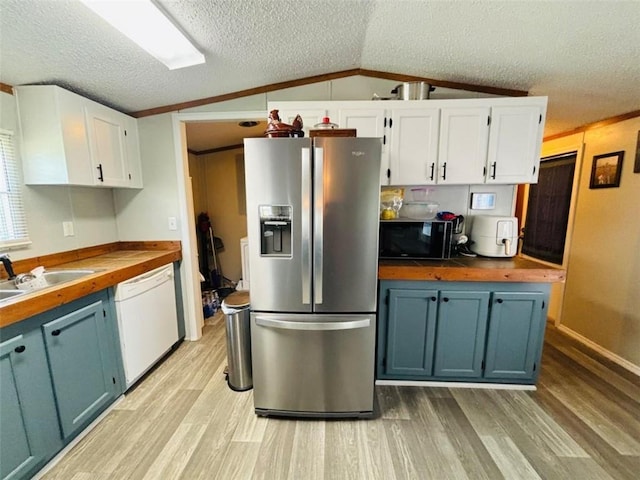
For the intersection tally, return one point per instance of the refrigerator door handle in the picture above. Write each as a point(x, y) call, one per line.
point(318, 224)
point(306, 226)
point(289, 325)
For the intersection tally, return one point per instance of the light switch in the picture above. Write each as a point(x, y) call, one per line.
point(173, 223)
point(67, 229)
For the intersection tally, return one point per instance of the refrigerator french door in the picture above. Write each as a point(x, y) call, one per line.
point(312, 218)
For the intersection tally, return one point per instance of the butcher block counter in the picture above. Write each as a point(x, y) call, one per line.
point(114, 263)
point(471, 269)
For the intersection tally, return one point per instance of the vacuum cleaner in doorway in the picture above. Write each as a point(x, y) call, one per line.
point(210, 267)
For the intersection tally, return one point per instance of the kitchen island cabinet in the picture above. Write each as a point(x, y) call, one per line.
point(29, 432)
point(410, 327)
point(461, 331)
point(462, 323)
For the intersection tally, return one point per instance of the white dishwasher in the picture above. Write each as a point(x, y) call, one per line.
point(147, 320)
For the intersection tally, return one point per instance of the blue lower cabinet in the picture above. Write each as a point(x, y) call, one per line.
point(29, 431)
point(80, 353)
point(461, 331)
point(410, 332)
point(516, 327)
point(58, 371)
point(462, 325)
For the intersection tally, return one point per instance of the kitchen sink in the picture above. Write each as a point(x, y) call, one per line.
point(7, 294)
point(8, 288)
point(55, 277)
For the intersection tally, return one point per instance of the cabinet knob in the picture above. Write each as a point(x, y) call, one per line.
point(20, 349)
point(499, 300)
point(56, 332)
point(445, 299)
point(433, 299)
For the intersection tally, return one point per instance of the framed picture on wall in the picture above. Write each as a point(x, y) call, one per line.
point(606, 170)
point(636, 166)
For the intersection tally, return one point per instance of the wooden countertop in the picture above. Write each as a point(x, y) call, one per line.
point(469, 269)
point(115, 263)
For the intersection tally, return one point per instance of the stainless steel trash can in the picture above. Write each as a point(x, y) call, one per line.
point(237, 322)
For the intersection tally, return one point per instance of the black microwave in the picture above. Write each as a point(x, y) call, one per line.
point(415, 239)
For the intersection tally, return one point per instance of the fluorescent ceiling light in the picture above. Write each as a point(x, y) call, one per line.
point(145, 24)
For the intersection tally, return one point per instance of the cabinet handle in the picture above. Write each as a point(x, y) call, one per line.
point(444, 171)
point(101, 176)
point(433, 299)
point(493, 170)
point(499, 300)
point(445, 299)
point(433, 168)
point(56, 332)
point(20, 349)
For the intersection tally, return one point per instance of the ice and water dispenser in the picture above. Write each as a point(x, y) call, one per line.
point(275, 230)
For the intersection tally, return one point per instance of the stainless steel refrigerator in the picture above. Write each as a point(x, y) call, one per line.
point(312, 219)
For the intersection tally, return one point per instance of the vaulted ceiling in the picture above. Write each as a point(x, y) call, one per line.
point(585, 56)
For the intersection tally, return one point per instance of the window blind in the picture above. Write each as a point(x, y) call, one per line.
point(13, 222)
point(545, 229)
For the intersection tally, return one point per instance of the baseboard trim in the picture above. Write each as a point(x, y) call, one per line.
point(624, 363)
point(62, 453)
point(426, 383)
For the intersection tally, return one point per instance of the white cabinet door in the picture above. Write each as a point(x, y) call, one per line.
point(414, 146)
point(464, 134)
point(54, 147)
point(134, 164)
point(66, 137)
point(106, 132)
point(368, 122)
point(515, 137)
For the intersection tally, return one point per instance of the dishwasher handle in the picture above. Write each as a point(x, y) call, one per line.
point(149, 276)
point(289, 325)
point(143, 283)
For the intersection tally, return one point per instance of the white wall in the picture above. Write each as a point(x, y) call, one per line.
point(144, 214)
point(602, 292)
point(91, 210)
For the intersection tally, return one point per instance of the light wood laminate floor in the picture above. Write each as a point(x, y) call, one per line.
point(183, 422)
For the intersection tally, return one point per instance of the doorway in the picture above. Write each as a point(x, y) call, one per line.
point(210, 166)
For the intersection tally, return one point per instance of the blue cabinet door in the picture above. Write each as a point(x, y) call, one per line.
point(516, 331)
point(460, 333)
point(80, 353)
point(411, 332)
point(29, 431)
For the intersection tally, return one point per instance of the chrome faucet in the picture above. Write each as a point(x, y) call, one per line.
point(6, 261)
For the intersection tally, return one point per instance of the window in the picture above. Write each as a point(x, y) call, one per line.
point(13, 223)
point(545, 228)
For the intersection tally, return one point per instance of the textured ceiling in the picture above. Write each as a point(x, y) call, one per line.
point(584, 55)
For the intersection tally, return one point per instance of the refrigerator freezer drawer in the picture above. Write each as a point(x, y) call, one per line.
point(313, 365)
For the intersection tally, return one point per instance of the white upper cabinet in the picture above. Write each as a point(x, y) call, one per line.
point(70, 140)
point(368, 122)
point(106, 132)
point(515, 138)
point(464, 134)
point(414, 145)
point(442, 142)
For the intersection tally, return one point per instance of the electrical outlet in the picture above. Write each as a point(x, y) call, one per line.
point(67, 229)
point(173, 223)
